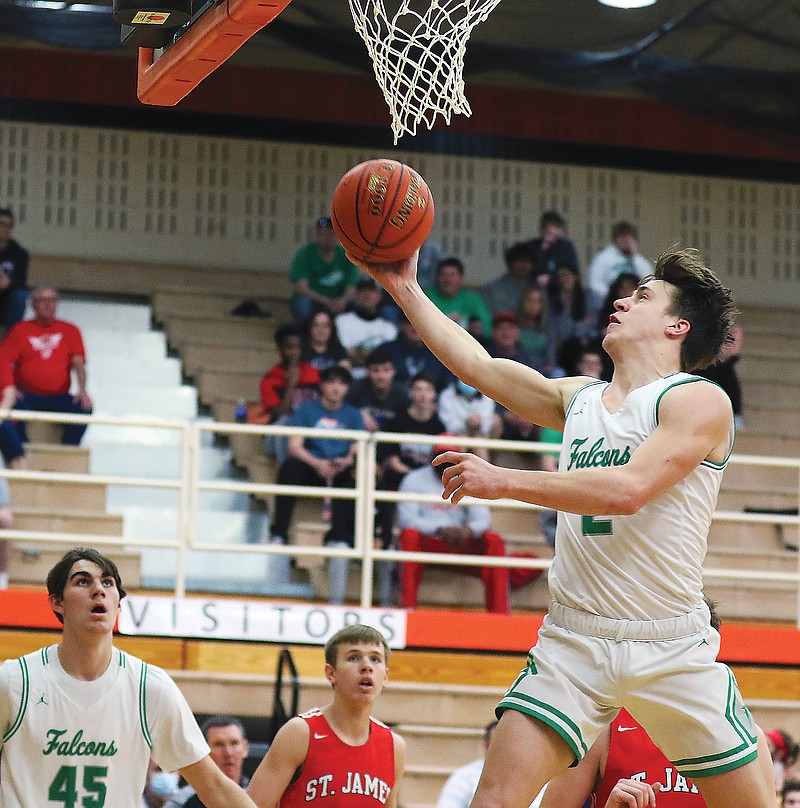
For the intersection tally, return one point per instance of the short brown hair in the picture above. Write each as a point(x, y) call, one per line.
point(354, 634)
point(700, 298)
point(57, 577)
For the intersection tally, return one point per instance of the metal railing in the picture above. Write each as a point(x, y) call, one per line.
point(189, 485)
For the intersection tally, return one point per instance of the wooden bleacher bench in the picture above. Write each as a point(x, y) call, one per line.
point(199, 302)
point(30, 562)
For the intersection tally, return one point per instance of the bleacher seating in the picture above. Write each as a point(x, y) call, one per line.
point(441, 720)
point(227, 355)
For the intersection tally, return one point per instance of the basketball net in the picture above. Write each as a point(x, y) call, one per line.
point(419, 57)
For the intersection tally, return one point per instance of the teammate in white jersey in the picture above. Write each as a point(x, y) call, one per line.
point(80, 720)
point(635, 490)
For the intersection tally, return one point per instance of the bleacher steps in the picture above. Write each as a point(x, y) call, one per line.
point(65, 521)
point(29, 563)
point(56, 494)
point(56, 457)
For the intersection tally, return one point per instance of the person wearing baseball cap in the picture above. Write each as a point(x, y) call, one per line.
point(321, 273)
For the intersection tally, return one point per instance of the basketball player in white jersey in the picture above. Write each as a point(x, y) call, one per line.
point(80, 720)
point(638, 477)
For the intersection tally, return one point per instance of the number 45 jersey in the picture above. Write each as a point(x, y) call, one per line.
point(79, 744)
point(643, 566)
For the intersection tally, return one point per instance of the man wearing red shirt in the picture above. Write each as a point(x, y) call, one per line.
point(37, 359)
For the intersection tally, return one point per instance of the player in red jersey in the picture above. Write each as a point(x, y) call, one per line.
point(337, 756)
point(625, 769)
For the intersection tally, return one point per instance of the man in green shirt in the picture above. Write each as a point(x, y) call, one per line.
point(458, 303)
point(321, 274)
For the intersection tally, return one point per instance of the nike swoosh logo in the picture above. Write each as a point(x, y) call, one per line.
point(626, 729)
point(319, 737)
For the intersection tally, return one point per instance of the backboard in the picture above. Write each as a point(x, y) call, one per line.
point(201, 48)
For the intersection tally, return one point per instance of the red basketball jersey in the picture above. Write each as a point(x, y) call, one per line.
point(631, 754)
point(336, 774)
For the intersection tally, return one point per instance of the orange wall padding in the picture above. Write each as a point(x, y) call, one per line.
point(457, 630)
point(89, 78)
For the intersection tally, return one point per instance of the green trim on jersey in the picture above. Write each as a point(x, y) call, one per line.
point(23, 702)
point(45, 652)
point(123, 662)
point(143, 705)
point(709, 463)
point(575, 395)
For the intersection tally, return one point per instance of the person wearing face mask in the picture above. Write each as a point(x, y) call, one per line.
point(160, 786)
point(441, 527)
point(466, 411)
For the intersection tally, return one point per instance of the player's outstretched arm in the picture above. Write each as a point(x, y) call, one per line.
point(215, 789)
point(694, 424)
point(517, 387)
point(286, 754)
point(632, 794)
point(399, 768)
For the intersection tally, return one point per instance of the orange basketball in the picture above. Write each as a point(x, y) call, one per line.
point(382, 211)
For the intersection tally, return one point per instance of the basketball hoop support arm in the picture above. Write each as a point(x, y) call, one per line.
point(216, 36)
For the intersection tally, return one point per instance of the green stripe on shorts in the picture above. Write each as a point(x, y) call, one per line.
point(549, 715)
point(734, 758)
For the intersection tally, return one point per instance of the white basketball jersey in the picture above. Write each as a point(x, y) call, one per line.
point(58, 753)
point(646, 566)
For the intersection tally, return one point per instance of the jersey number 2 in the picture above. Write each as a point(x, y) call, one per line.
point(595, 526)
point(64, 789)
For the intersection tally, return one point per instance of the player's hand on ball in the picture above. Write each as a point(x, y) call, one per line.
point(470, 476)
point(389, 276)
point(632, 794)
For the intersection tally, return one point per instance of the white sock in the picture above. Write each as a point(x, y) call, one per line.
point(3, 580)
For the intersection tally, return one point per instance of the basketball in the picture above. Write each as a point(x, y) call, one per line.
point(382, 211)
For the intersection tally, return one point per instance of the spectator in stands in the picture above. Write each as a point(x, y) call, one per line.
point(622, 255)
point(504, 341)
point(784, 751)
point(37, 360)
point(460, 787)
point(503, 293)
point(321, 346)
point(445, 528)
point(321, 274)
point(466, 411)
point(379, 397)
point(289, 382)
point(531, 318)
point(431, 254)
point(410, 356)
point(322, 461)
point(284, 387)
point(13, 273)
point(395, 460)
point(724, 373)
point(790, 795)
point(571, 311)
point(624, 285)
point(362, 330)
point(458, 303)
point(552, 248)
point(505, 344)
point(227, 740)
point(159, 786)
